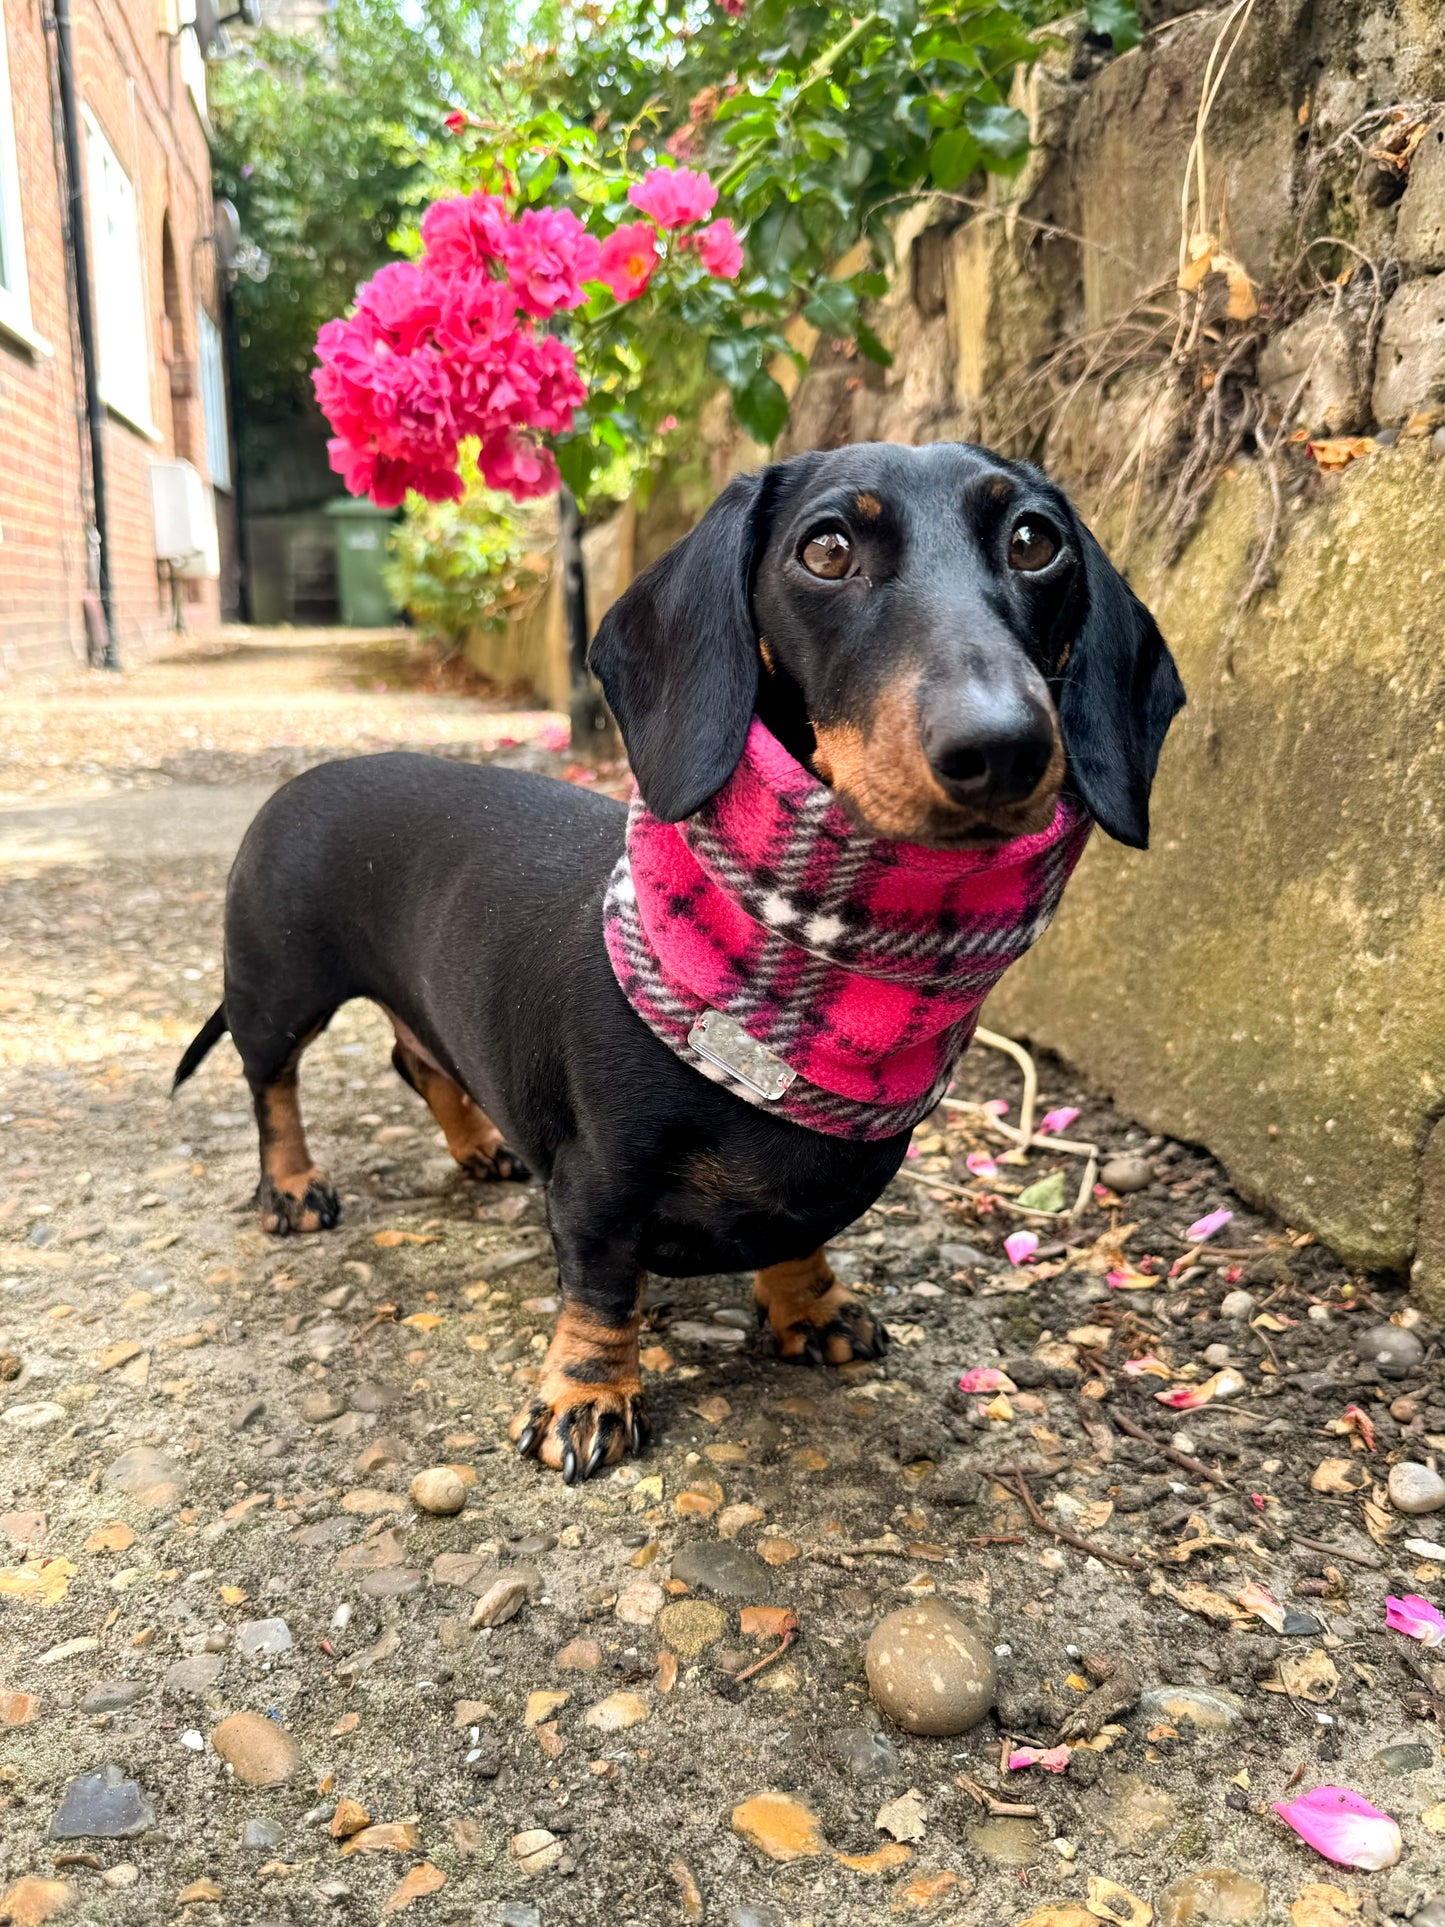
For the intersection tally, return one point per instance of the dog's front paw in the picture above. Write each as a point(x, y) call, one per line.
point(578, 1429)
point(306, 1202)
point(501, 1167)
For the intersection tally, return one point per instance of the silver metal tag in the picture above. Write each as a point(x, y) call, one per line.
point(723, 1041)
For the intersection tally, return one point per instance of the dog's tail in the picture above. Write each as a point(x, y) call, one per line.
point(200, 1046)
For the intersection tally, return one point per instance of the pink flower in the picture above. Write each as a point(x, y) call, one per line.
point(1145, 1366)
point(1344, 1827)
point(549, 254)
point(454, 123)
point(517, 465)
point(1056, 1121)
point(734, 9)
point(667, 424)
point(1186, 1398)
point(1416, 1618)
point(1206, 1227)
point(403, 302)
point(629, 255)
point(995, 1106)
point(986, 1378)
point(1021, 1246)
point(981, 1164)
point(674, 196)
point(721, 251)
point(464, 232)
point(1054, 1759)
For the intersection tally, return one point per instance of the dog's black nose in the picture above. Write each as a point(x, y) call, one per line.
point(993, 758)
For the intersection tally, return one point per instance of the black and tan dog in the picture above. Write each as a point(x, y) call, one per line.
point(935, 634)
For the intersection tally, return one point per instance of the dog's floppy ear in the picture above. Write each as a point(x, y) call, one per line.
point(1119, 695)
point(677, 657)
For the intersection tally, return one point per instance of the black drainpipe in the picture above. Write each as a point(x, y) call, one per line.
point(85, 316)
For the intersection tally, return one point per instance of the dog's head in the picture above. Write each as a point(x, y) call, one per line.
point(933, 631)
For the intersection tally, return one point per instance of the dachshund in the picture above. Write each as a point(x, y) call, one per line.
point(930, 633)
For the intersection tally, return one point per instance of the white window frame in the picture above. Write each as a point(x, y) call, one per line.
point(120, 283)
point(211, 366)
point(15, 317)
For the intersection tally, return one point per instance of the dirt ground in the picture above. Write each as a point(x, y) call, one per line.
point(207, 1439)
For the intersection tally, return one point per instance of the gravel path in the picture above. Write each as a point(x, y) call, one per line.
point(240, 1680)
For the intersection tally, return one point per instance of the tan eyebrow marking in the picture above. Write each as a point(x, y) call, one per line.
point(868, 506)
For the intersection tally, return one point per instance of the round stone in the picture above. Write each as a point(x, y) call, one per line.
point(1432, 1914)
point(1236, 1304)
point(439, 1490)
point(1416, 1488)
point(690, 1626)
point(929, 1672)
point(1394, 1350)
point(1127, 1173)
point(260, 1752)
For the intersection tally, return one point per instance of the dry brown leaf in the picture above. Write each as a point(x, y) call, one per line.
point(1071, 1914)
point(1320, 1905)
point(1339, 1475)
point(882, 1859)
point(689, 1894)
point(32, 1901)
point(1379, 1522)
point(1197, 1598)
point(198, 1890)
point(1109, 1901)
point(422, 1880)
point(1307, 1676)
point(1338, 451)
point(40, 1582)
point(389, 1836)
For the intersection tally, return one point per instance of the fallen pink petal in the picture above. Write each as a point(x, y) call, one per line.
point(1206, 1227)
point(1260, 1601)
point(981, 1164)
point(1053, 1759)
point(996, 1107)
point(1183, 1398)
point(1021, 1246)
point(986, 1378)
point(1344, 1827)
point(1126, 1278)
point(1146, 1367)
point(1416, 1618)
point(1054, 1122)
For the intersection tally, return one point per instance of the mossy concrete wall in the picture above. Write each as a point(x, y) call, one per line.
point(1269, 978)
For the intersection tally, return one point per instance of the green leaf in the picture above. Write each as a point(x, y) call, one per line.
point(1002, 133)
point(872, 347)
point(1047, 1194)
point(952, 158)
point(734, 358)
point(833, 309)
point(578, 461)
point(762, 408)
point(1119, 19)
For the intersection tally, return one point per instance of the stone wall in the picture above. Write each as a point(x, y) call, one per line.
point(1270, 978)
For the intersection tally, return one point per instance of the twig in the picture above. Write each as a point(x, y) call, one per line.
point(1170, 1452)
point(995, 1808)
point(1338, 1552)
point(784, 1643)
point(1074, 1539)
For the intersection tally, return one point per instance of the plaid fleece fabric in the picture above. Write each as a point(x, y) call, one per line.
point(859, 962)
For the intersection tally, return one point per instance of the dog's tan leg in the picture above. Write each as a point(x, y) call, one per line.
point(472, 1138)
point(812, 1319)
point(294, 1193)
point(588, 1409)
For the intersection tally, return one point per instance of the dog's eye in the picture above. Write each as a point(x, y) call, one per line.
point(828, 553)
point(1032, 546)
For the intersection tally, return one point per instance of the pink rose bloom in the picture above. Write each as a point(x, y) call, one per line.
point(517, 465)
point(721, 250)
point(629, 255)
point(674, 196)
point(559, 389)
point(734, 9)
point(403, 302)
point(548, 255)
point(464, 232)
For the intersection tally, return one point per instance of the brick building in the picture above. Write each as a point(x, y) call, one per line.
point(144, 165)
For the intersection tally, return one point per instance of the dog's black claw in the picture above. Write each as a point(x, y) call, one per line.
point(528, 1439)
point(569, 1466)
point(608, 1427)
point(641, 1429)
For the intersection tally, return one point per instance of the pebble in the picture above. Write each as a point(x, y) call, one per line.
point(103, 1805)
point(1212, 1894)
point(1006, 1842)
point(1236, 1305)
point(393, 1582)
point(1415, 1488)
point(263, 1638)
point(535, 1850)
point(865, 1754)
point(690, 1626)
point(640, 1603)
point(318, 1407)
point(964, 1257)
point(616, 1713)
point(113, 1695)
point(500, 1602)
point(534, 1544)
point(929, 1671)
point(192, 1678)
point(260, 1752)
point(1432, 1914)
point(1395, 1351)
point(247, 1412)
point(516, 1913)
point(438, 1490)
point(375, 1398)
point(1202, 1707)
point(1410, 1757)
point(688, 1331)
point(580, 1656)
point(148, 1477)
point(1127, 1173)
point(34, 1416)
point(727, 1570)
point(262, 1836)
point(1137, 1815)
